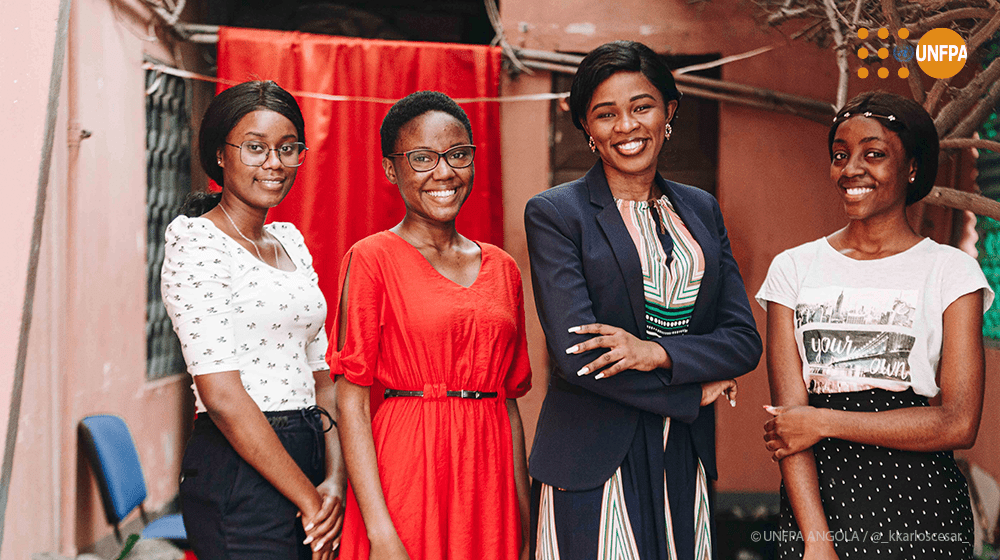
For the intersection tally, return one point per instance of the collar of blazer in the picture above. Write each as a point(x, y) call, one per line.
point(610, 220)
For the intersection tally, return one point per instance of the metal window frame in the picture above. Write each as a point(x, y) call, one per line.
point(168, 181)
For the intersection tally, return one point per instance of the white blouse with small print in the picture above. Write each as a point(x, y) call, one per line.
point(233, 312)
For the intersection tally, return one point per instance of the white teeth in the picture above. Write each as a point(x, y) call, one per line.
point(441, 194)
point(629, 146)
point(858, 191)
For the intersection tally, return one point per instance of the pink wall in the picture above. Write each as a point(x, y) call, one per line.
point(87, 345)
point(30, 30)
point(773, 181)
point(28, 39)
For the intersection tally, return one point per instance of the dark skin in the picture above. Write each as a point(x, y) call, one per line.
point(432, 199)
point(626, 118)
point(248, 194)
point(871, 171)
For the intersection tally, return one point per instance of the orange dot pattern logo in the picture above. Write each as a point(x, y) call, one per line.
point(882, 53)
point(940, 53)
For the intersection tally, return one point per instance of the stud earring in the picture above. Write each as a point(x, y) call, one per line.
point(590, 142)
point(668, 131)
point(912, 179)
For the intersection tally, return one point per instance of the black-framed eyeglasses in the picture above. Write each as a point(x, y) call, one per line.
point(254, 153)
point(423, 159)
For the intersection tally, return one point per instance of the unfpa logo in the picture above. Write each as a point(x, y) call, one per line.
point(940, 53)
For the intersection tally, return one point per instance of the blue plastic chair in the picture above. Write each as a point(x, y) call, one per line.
point(110, 449)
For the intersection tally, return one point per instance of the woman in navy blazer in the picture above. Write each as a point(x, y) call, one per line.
point(647, 323)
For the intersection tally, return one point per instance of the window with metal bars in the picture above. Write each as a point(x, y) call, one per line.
point(168, 180)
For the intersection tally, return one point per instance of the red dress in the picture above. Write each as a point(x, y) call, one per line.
point(446, 464)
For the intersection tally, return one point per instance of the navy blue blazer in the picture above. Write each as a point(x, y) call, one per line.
point(585, 269)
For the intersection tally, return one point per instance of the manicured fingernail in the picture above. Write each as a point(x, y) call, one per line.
point(574, 329)
point(308, 539)
point(318, 546)
point(583, 371)
point(599, 376)
point(732, 403)
point(309, 528)
point(573, 349)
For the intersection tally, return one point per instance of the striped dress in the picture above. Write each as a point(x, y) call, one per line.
point(634, 515)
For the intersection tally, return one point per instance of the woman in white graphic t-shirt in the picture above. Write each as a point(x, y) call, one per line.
point(859, 325)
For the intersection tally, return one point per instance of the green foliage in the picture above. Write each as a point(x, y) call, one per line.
point(988, 167)
point(129, 545)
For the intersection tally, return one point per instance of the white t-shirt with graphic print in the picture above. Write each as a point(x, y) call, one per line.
point(233, 312)
point(865, 324)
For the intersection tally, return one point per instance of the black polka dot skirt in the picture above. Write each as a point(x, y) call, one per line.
point(881, 502)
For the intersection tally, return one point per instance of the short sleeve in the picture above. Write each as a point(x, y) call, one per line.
point(518, 381)
point(781, 284)
point(295, 245)
point(316, 351)
point(963, 275)
point(195, 285)
point(358, 357)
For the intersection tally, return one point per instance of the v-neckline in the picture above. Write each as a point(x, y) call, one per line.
point(249, 254)
point(479, 273)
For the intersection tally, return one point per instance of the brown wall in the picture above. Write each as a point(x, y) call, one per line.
point(773, 183)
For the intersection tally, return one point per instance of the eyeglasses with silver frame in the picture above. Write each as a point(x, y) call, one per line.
point(254, 153)
point(423, 159)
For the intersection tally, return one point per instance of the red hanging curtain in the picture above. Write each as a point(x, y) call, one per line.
point(341, 194)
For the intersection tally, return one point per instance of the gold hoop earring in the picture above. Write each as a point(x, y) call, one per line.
point(590, 142)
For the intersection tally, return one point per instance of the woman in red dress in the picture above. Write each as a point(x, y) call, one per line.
point(438, 319)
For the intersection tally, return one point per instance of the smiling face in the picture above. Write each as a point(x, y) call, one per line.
point(870, 169)
point(436, 195)
point(626, 119)
point(264, 186)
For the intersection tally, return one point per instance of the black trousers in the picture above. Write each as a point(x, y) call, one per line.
point(230, 511)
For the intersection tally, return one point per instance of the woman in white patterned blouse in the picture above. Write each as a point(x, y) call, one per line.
point(245, 303)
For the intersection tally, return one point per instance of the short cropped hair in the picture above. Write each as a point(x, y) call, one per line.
point(911, 123)
point(411, 107)
point(230, 106)
point(611, 58)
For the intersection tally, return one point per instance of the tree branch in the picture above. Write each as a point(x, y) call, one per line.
point(963, 143)
point(934, 97)
point(841, 52)
point(971, 93)
point(913, 78)
point(784, 15)
point(978, 114)
point(857, 13)
point(944, 18)
point(985, 33)
point(976, 203)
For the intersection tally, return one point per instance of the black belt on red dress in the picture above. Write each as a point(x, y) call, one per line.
point(389, 393)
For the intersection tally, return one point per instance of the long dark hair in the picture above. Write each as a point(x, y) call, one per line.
point(223, 113)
